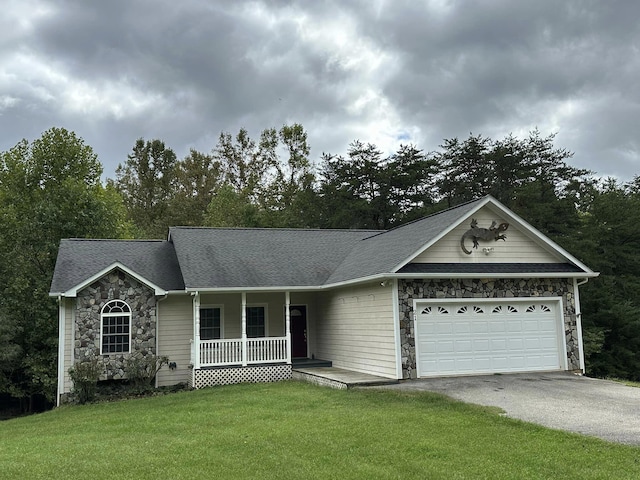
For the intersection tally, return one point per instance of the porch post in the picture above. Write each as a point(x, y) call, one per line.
point(196, 330)
point(244, 329)
point(287, 316)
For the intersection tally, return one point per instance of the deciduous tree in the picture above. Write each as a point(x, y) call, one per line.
point(147, 183)
point(49, 189)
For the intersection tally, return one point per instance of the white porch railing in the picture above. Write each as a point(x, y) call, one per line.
point(267, 350)
point(220, 352)
point(214, 353)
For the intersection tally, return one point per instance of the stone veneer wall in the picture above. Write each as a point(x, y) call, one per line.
point(141, 299)
point(410, 290)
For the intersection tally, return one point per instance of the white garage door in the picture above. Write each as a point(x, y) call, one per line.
point(487, 337)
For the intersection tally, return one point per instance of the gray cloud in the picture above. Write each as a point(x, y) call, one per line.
point(382, 72)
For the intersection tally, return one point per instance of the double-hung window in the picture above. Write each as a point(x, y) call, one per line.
point(210, 323)
point(256, 322)
point(115, 328)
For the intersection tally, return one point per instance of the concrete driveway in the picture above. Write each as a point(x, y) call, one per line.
point(600, 408)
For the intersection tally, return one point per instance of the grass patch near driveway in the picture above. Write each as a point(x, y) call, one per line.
point(298, 431)
point(628, 383)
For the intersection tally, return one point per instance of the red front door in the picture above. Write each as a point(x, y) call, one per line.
point(298, 331)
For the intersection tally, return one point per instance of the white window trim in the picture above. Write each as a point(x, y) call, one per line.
point(266, 316)
point(221, 307)
point(116, 314)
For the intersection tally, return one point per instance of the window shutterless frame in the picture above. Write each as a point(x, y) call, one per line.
point(211, 322)
point(257, 321)
point(115, 328)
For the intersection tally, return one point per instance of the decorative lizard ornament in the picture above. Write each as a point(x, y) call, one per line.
point(477, 233)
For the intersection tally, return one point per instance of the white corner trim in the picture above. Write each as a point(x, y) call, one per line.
point(576, 296)
point(61, 334)
point(73, 292)
point(395, 298)
point(416, 343)
point(157, 341)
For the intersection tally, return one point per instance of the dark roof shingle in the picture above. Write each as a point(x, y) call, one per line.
point(80, 259)
point(239, 257)
point(219, 258)
point(385, 251)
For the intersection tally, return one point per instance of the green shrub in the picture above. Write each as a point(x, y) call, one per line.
point(84, 376)
point(142, 369)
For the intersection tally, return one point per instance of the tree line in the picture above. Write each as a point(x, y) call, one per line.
point(50, 189)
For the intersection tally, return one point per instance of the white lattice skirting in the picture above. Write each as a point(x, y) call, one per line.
point(229, 375)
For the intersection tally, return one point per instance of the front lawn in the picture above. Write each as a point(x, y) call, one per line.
point(294, 430)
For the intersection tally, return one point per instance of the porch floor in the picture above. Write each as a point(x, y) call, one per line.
point(339, 377)
point(309, 363)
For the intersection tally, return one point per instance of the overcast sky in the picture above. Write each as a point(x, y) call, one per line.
point(384, 72)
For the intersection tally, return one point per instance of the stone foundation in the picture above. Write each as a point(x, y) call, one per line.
point(409, 290)
point(141, 299)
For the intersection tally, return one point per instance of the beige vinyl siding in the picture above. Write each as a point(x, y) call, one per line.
point(69, 305)
point(355, 329)
point(232, 311)
point(517, 248)
point(175, 331)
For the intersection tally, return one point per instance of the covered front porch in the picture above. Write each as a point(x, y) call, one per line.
point(241, 351)
point(246, 337)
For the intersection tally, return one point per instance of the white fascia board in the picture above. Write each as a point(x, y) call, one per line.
point(442, 234)
point(251, 289)
point(356, 281)
point(578, 275)
point(390, 276)
point(308, 288)
point(73, 292)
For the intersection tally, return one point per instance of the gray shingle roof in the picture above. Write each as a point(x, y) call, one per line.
point(384, 252)
point(80, 259)
point(238, 257)
point(218, 258)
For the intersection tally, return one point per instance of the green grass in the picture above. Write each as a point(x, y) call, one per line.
point(628, 383)
point(298, 431)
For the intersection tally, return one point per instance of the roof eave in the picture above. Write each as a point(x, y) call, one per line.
point(495, 275)
point(73, 291)
point(514, 218)
point(445, 231)
point(387, 276)
point(296, 288)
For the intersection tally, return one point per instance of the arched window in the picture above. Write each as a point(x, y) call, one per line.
point(115, 328)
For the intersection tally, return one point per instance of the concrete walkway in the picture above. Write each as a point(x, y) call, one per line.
point(338, 377)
